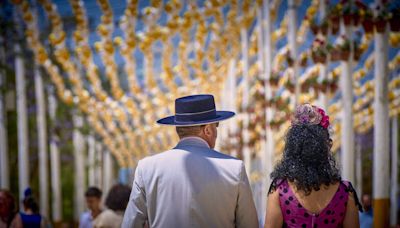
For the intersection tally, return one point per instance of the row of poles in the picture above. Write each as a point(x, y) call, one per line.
point(228, 101)
point(385, 183)
point(99, 161)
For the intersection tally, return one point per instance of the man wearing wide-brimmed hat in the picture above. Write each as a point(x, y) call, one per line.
point(192, 185)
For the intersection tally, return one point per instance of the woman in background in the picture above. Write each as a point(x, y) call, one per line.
point(31, 216)
point(9, 216)
point(307, 189)
point(116, 202)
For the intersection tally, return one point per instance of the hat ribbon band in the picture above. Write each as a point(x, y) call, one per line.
point(194, 113)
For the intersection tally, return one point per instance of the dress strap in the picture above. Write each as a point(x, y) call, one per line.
point(274, 185)
point(350, 188)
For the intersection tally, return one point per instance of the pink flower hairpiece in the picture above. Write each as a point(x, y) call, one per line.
point(325, 118)
point(310, 115)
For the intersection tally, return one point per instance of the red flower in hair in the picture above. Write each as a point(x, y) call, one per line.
point(325, 119)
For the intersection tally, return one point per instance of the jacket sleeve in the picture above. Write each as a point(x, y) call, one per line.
point(246, 214)
point(136, 212)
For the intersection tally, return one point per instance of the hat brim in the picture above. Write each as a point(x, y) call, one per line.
point(220, 116)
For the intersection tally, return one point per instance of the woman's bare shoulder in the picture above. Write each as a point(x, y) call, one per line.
point(17, 221)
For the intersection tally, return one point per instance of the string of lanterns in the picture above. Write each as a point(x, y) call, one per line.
point(208, 40)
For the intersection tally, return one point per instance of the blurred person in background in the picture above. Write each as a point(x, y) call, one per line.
point(31, 217)
point(9, 216)
point(93, 202)
point(116, 202)
point(366, 217)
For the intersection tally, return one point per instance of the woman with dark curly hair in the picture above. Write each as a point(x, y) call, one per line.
point(307, 189)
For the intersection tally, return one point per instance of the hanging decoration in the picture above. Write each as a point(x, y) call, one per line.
point(186, 49)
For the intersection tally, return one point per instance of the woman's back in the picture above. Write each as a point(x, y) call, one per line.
point(323, 208)
point(316, 201)
point(31, 220)
point(315, 195)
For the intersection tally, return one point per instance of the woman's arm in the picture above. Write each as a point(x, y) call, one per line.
point(351, 216)
point(17, 222)
point(273, 216)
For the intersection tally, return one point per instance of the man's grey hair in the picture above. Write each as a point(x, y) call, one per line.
point(189, 131)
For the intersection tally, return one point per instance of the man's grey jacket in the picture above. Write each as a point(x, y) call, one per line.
point(191, 185)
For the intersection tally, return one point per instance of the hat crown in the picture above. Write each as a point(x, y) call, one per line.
point(194, 104)
point(195, 110)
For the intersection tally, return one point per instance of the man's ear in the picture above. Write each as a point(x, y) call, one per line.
point(207, 130)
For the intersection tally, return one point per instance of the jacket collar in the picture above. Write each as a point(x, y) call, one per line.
point(192, 141)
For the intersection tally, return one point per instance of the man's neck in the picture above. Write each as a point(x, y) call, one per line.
point(95, 213)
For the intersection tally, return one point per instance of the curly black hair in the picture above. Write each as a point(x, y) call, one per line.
point(307, 161)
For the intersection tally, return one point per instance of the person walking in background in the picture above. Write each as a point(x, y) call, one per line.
point(31, 216)
point(192, 185)
point(366, 217)
point(307, 189)
point(93, 202)
point(116, 202)
point(9, 216)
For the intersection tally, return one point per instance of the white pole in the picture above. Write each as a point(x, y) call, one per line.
point(232, 95)
point(381, 179)
point(107, 171)
point(99, 165)
point(268, 156)
point(54, 161)
point(42, 138)
point(223, 128)
point(359, 168)
point(261, 192)
point(245, 100)
point(395, 168)
point(323, 97)
point(260, 41)
point(323, 73)
point(23, 156)
point(292, 35)
point(4, 174)
point(347, 136)
point(79, 164)
point(42, 135)
point(91, 159)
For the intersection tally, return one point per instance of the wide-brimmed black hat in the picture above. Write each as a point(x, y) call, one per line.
point(195, 110)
